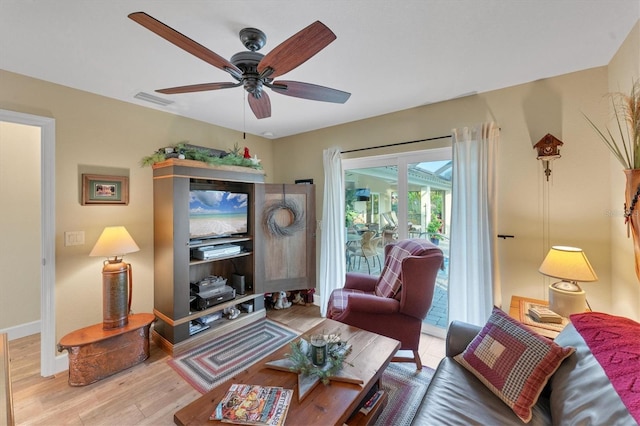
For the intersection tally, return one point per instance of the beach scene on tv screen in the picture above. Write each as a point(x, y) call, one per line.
point(217, 213)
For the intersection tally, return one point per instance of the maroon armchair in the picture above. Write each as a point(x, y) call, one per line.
point(395, 303)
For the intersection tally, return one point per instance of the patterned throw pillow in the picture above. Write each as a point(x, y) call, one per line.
point(514, 362)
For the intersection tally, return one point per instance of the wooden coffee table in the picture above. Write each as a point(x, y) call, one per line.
point(332, 404)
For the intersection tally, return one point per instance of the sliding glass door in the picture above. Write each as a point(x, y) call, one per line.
point(395, 197)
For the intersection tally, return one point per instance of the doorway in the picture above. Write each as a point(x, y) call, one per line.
point(46, 125)
point(400, 196)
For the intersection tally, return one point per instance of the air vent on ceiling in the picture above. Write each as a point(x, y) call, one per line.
point(153, 99)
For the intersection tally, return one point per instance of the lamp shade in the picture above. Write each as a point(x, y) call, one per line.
point(568, 263)
point(114, 241)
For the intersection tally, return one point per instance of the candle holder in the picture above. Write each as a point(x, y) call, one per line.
point(318, 349)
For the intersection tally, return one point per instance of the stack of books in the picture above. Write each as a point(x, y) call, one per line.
point(254, 405)
point(371, 402)
point(543, 314)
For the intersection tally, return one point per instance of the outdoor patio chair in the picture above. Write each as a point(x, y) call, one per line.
point(368, 248)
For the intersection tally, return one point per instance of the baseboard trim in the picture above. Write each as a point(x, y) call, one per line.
point(61, 363)
point(22, 330)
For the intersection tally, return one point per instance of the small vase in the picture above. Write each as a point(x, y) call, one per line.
point(632, 211)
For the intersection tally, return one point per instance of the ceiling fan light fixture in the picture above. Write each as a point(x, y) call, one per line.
point(153, 99)
point(251, 69)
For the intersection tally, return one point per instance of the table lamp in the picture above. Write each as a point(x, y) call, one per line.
point(114, 243)
point(571, 265)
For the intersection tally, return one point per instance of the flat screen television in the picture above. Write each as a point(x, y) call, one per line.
point(216, 214)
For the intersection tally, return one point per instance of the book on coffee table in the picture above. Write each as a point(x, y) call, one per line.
point(253, 405)
point(371, 402)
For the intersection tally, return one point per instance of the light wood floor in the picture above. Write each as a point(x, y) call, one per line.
point(147, 394)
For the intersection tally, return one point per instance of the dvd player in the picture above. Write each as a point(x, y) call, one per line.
point(213, 297)
point(208, 283)
point(210, 252)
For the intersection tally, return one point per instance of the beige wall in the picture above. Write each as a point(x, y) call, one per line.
point(572, 208)
point(20, 224)
point(95, 133)
point(623, 69)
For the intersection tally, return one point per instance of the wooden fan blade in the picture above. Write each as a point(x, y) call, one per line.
point(197, 88)
point(184, 42)
point(297, 49)
point(261, 106)
point(309, 91)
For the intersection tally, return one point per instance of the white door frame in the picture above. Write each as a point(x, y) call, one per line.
point(47, 125)
point(402, 161)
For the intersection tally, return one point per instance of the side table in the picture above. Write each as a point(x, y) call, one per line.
point(516, 311)
point(95, 353)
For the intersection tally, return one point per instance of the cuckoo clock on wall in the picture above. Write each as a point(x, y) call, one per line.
point(548, 149)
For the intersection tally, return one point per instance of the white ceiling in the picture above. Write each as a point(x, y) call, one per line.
point(390, 55)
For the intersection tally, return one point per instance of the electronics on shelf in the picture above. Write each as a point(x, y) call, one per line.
point(208, 283)
point(196, 326)
point(213, 297)
point(211, 252)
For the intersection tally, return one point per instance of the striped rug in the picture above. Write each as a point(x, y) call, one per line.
point(214, 362)
point(405, 387)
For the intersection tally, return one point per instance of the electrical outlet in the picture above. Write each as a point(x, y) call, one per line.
point(73, 238)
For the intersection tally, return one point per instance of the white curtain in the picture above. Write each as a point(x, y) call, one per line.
point(474, 286)
point(332, 235)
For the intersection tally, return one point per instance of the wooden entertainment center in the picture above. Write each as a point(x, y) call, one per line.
point(268, 263)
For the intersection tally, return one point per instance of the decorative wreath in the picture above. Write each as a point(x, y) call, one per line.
point(297, 218)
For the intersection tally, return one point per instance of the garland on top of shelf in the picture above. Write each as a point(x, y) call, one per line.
point(210, 156)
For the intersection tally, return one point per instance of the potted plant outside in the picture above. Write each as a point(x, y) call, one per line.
point(433, 229)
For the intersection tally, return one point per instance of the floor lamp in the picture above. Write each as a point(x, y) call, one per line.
point(571, 265)
point(117, 282)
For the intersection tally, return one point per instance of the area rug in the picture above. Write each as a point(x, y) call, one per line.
point(215, 362)
point(405, 387)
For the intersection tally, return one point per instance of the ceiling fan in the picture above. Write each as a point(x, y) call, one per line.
point(253, 70)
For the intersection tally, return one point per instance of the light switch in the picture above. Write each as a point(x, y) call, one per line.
point(74, 238)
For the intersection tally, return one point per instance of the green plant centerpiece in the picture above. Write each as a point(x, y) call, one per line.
point(183, 150)
point(625, 147)
point(300, 358)
point(299, 361)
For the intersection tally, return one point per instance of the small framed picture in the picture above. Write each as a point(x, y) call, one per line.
point(102, 189)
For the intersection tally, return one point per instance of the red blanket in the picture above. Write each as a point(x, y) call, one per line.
point(615, 342)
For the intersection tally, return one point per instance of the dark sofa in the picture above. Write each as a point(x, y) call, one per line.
point(578, 393)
